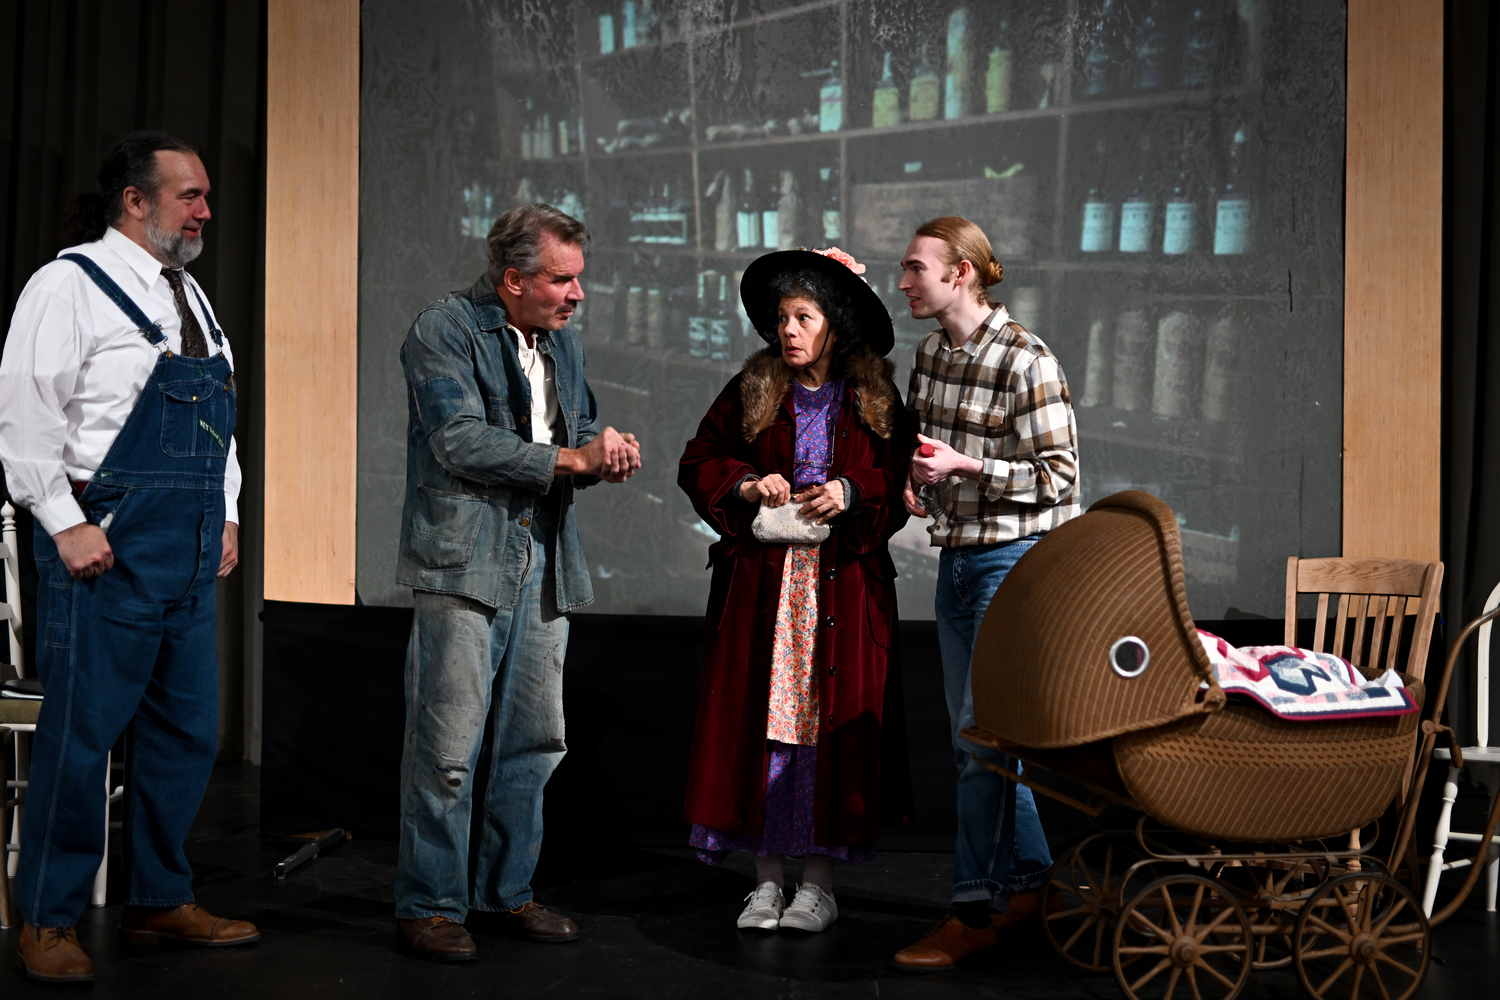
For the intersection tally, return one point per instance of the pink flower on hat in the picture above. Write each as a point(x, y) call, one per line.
point(843, 258)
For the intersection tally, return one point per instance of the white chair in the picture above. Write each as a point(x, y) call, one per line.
point(18, 717)
point(1485, 759)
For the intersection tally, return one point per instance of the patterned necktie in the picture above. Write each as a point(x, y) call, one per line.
point(193, 344)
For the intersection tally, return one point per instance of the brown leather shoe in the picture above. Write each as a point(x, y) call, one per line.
point(188, 923)
point(953, 940)
point(52, 955)
point(438, 939)
point(944, 946)
point(534, 922)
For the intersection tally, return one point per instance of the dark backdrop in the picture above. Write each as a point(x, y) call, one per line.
point(76, 75)
point(1471, 350)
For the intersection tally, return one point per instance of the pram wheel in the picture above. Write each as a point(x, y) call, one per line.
point(1088, 883)
point(1185, 927)
point(1362, 935)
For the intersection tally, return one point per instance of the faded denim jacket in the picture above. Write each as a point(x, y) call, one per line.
point(474, 477)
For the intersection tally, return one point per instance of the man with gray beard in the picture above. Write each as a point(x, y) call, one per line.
point(117, 410)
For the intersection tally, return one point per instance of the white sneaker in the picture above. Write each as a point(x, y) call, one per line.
point(763, 908)
point(812, 909)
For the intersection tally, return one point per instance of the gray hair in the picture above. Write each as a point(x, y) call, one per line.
point(517, 237)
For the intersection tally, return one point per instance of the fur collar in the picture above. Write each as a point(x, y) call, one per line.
point(766, 380)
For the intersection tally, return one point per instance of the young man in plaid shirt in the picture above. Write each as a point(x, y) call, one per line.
point(991, 401)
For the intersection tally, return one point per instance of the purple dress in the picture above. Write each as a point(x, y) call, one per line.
point(792, 768)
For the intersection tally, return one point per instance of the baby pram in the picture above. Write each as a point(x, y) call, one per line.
point(1240, 853)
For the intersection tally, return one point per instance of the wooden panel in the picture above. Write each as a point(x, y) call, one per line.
point(312, 245)
point(1393, 280)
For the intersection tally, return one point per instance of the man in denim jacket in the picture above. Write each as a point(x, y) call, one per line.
point(502, 429)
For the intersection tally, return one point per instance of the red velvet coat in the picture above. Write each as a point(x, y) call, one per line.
point(864, 777)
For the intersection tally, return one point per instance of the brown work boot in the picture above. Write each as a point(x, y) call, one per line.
point(52, 955)
point(438, 939)
point(188, 923)
point(532, 921)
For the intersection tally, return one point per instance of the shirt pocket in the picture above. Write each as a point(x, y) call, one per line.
point(444, 528)
point(497, 413)
point(982, 420)
point(194, 419)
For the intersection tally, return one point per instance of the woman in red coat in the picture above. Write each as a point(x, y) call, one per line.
point(800, 741)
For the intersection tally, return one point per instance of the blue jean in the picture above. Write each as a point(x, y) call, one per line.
point(467, 662)
point(134, 645)
point(1001, 847)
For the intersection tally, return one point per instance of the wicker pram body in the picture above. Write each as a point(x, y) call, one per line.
point(1160, 741)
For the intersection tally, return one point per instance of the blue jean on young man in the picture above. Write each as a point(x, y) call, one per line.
point(1001, 847)
point(467, 662)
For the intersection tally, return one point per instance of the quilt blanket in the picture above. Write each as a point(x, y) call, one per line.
point(1295, 683)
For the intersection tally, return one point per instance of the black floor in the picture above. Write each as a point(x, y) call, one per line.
point(655, 923)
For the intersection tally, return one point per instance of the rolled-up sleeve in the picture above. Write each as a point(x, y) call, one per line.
point(44, 353)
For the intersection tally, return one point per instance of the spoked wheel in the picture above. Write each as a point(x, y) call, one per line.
point(1362, 935)
point(1083, 893)
point(1194, 937)
point(1278, 889)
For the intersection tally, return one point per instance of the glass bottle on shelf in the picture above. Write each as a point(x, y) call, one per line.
point(721, 195)
point(922, 99)
point(747, 217)
point(720, 320)
point(997, 74)
point(1180, 228)
point(628, 26)
point(528, 138)
point(606, 33)
point(828, 178)
point(698, 322)
point(1138, 212)
point(1150, 48)
point(1101, 64)
point(770, 213)
point(956, 80)
point(788, 211)
point(887, 99)
point(1200, 49)
point(655, 317)
point(541, 137)
point(1098, 211)
point(831, 101)
point(1232, 216)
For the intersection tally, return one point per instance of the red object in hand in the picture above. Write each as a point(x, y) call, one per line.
point(927, 451)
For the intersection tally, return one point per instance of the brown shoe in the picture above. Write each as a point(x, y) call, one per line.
point(438, 939)
point(534, 922)
point(1022, 905)
point(52, 955)
point(943, 946)
point(188, 923)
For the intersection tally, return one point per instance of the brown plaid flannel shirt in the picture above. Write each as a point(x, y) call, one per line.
point(1001, 397)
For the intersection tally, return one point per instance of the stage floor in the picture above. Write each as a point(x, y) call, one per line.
point(655, 923)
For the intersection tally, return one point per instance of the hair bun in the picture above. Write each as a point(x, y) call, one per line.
point(993, 272)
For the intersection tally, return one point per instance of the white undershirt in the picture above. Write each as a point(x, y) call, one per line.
point(540, 372)
point(73, 367)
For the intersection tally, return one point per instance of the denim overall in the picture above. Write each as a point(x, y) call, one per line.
point(135, 646)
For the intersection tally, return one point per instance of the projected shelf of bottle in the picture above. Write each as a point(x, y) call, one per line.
point(1189, 436)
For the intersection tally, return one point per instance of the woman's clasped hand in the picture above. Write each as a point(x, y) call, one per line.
point(824, 502)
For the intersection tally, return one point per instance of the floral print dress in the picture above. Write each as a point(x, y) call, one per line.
point(792, 709)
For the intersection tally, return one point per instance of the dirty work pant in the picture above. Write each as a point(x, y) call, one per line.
point(467, 662)
point(1001, 847)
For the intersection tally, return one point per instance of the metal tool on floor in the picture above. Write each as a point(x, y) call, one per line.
point(322, 841)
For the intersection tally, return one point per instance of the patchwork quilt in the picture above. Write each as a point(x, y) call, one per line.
point(1295, 683)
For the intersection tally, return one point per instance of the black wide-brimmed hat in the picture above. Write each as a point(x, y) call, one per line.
point(872, 321)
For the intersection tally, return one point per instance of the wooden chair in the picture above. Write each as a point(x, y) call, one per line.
point(1375, 598)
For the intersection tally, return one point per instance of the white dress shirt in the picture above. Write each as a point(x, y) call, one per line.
point(73, 367)
point(542, 376)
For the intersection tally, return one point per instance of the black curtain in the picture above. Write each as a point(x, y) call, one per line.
point(1471, 349)
point(76, 75)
